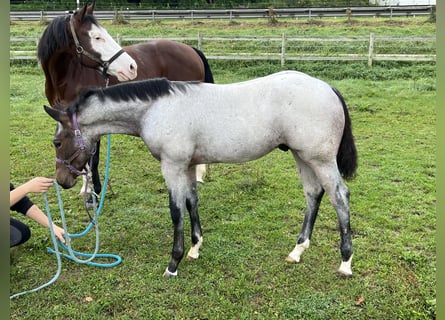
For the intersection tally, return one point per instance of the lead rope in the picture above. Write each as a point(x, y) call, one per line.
point(72, 253)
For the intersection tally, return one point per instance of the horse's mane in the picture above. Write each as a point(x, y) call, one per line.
point(55, 36)
point(146, 90)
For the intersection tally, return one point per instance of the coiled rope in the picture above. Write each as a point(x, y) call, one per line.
point(72, 254)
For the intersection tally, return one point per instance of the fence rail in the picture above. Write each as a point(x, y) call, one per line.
point(284, 49)
point(376, 11)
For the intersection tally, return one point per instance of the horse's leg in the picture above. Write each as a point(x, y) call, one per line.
point(192, 206)
point(179, 189)
point(95, 170)
point(95, 178)
point(338, 194)
point(313, 193)
point(94, 175)
point(85, 188)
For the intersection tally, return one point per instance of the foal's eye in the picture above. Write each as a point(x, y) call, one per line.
point(57, 144)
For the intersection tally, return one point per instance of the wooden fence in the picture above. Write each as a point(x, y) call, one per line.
point(372, 48)
point(293, 13)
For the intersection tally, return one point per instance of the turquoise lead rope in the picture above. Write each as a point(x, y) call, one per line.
point(73, 255)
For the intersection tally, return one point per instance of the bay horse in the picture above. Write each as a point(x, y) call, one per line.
point(76, 52)
point(294, 112)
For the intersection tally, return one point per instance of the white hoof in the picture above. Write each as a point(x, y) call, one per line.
point(194, 251)
point(345, 268)
point(291, 260)
point(295, 255)
point(168, 274)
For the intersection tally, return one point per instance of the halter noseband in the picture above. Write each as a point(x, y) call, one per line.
point(81, 149)
point(80, 51)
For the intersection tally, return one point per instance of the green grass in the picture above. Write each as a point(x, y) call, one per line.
point(251, 214)
point(326, 27)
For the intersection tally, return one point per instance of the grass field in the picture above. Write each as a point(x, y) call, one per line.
point(251, 213)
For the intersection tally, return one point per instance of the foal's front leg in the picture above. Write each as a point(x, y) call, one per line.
point(192, 207)
point(179, 189)
point(177, 215)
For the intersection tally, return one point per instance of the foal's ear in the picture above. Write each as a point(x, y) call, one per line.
point(57, 115)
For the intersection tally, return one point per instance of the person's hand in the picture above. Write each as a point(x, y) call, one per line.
point(59, 232)
point(39, 185)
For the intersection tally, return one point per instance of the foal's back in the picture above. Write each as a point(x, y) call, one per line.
point(243, 121)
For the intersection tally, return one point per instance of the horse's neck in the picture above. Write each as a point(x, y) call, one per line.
point(101, 118)
point(65, 77)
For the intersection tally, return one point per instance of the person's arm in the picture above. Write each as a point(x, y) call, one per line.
point(38, 216)
point(19, 202)
point(36, 185)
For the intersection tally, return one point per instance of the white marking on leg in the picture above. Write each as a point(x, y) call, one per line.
point(168, 274)
point(345, 267)
point(200, 170)
point(194, 250)
point(294, 256)
point(84, 188)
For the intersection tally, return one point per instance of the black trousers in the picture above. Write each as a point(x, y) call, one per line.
point(19, 232)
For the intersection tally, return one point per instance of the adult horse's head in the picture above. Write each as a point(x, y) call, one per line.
point(73, 151)
point(80, 34)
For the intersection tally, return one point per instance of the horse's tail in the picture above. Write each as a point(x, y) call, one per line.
point(208, 76)
point(347, 152)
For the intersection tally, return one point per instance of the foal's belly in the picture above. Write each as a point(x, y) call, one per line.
point(232, 150)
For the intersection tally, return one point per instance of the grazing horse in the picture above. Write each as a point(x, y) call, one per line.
point(76, 52)
point(187, 123)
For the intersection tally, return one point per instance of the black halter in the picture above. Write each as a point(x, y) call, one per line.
point(80, 51)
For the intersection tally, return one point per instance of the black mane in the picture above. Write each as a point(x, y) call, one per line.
point(55, 36)
point(146, 90)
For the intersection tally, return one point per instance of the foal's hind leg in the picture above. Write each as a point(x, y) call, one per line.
point(313, 193)
point(338, 194)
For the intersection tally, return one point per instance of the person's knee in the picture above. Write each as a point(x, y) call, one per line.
point(19, 233)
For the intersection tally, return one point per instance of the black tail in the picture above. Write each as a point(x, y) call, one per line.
point(347, 153)
point(208, 76)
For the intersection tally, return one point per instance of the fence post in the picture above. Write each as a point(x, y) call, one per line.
point(283, 49)
point(371, 49)
point(199, 41)
point(119, 39)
